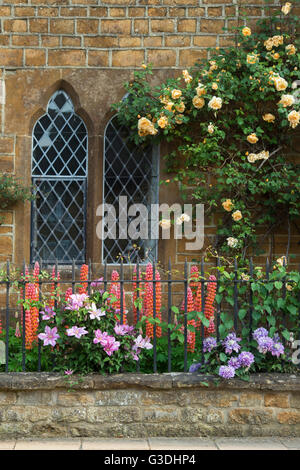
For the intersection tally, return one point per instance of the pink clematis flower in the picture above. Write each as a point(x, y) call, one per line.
point(108, 342)
point(76, 331)
point(76, 301)
point(142, 343)
point(111, 345)
point(122, 330)
point(95, 313)
point(50, 336)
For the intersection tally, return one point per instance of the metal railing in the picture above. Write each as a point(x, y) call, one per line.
point(168, 283)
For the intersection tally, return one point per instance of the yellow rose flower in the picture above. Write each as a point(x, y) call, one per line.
point(276, 56)
point(246, 31)
point(286, 8)
point(282, 261)
point(252, 157)
point(210, 129)
point(213, 65)
point(146, 127)
point(165, 223)
point(176, 94)
point(277, 40)
point(263, 155)
point(215, 103)
point(169, 106)
point(179, 118)
point(163, 122)
point(200, 90)
point(187, 77)
point(237, 215)
point(280, 83)
point(287, 100)
point(290, 49)
point(269, 44)
point(180, 107)
point(214, 86)
point(198, 102)
point(252, 138)
point(228, 205)
point(294, 118)
point(269, 117)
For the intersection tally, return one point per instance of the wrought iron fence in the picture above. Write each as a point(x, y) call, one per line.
point(172, 286)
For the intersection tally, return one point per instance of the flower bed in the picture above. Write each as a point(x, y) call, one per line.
point(87, 329)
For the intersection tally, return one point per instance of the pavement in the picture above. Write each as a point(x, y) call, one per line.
point(155, 443)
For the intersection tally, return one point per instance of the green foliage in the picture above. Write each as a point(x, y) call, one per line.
point(239, 149)
point(12, 191)
point(81, 354)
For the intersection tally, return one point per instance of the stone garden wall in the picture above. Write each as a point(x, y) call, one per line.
point(135, 405)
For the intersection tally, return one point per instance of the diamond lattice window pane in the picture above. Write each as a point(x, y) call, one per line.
point(58, 220)
point(59, 140)
point(129, 171)
point(59, 174)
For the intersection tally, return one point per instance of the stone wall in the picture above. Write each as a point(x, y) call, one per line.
point(135, 405)
point(116, 33)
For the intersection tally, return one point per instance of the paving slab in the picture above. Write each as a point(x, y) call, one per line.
point(291, 442)
point(114, 444)
point(249, 443)
point(48, 444)
point(161, 443)
point(7, 445)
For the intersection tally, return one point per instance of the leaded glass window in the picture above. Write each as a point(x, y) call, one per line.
point(59, 176)
point(130, 171)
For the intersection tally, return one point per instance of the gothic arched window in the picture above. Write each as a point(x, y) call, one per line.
point(59, 176)
point(130, 171)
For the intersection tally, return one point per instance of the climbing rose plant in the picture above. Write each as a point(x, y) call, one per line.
point(232, 120)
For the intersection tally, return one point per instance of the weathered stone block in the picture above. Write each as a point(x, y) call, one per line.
point(118, 397)
point(113, 415)
point(75, 398)
point(250, 416)
point(251, 399)
point(278, 400)
point(160, 414)
point(289, 417)
point(35, 414)
point(34, 397)
point(295, 400)
point(68, 414)
point(193, 414)
point(8, 398)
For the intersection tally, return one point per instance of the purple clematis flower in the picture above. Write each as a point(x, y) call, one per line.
point(231, 343)
point(234, 362)
point(47, 313)
point(277, 349)
point(260, 333)
point(227, 372)
point(265, 344)
point(209, 344)
point(245, 359)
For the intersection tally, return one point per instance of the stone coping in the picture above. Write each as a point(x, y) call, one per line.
point(167, 381)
